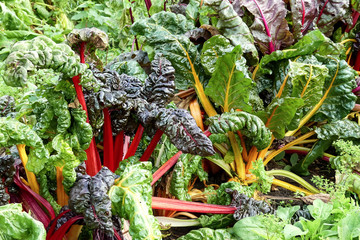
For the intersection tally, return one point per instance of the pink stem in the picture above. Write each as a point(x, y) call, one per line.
point(356, 108)
point(321, 12)
point(271, 45)
point(356, 89)
point(126, 146)
point(108, 142)
point(186, 206)
point(303, 12)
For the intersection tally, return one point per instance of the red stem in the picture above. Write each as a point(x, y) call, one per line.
point(148, 6)
point(116, 234)
point(135, 143)
point(132, 21)
point(60, 233)
point(321, 12)
point(152, 145)
point(162, 170)
point(108, 142)
point(356, 89)
point(271, 45)
point(93, 164)
point(356, 108)
point(119, 148)
point(186, 206)
point(53, 225)
point(36, 196)
point(355, 18)
point(357, 62)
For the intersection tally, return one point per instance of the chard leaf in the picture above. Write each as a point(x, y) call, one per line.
point(291, 231)
point(344, 129)
point(234, 29)
point(279, 113)
point(164, 32)
point(331, 12)
point(214, 48)
point(286, 213)
point(355, 5)
point(270, 28)
point(339, 83)
point(307, 45)
point(41, 53)
point(131, 199)
point(216, 221)
point(16, 224)
point(13, 132)
point(303, 15)
point(209, 234)
point(249, 125)
point(230, 85)
point(185, 167)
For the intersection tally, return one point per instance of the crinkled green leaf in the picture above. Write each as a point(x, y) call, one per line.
point(340, 99)
point(16, 224)
point(303, 13)
point(164, 32)
point(234, 29)
point(214, 48)
point(208, 234)
point(270, 28)
point(131, 199)
point(279, 113)
point(81, 128)
point(216, 221)
point(264, 181)
point(184, 169)
point(249, 125)
point(230, 84)
point(344, 129)
point(13, 132)
point(41, 53)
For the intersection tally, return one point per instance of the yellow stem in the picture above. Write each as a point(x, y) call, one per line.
point(255, 71)
point(62, 197)
point(307, 141)
point(273, 154)
point(239, 163)
point(317, 106)
point(290, 187)
point(30, 176)
point(208, 107)
point(348, 51)
point(348, 40)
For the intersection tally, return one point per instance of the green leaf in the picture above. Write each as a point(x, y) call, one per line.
point(340, 99)
point(250, 228)
point(216, 221)
point(164, 32)
point(341, 129)
point(279, 113)
point(286, 213)
point(316, 152)
point(13, 132)
point(41, 53)
point(185, 167)
point(249, 125)
point(291, 231)
point(263, 181)
point(307, 45)
point(213, 49)
point(230, 85)
point(349, 227)
point(131, 199)
point(355, 5)
point(234, 29)
point(192, 10)
point(16, 224)
point(208, 234)
point(320, 210)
